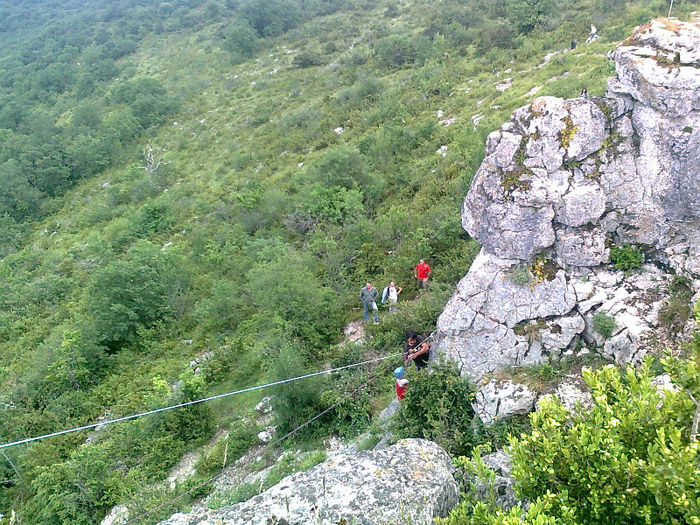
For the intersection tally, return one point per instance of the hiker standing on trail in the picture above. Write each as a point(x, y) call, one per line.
point(416, 349)
point(368, 296)
point(593, 34)
point(422, 272)
point(391, 294)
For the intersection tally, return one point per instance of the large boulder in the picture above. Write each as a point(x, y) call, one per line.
point(562, 182)
point(410, 482)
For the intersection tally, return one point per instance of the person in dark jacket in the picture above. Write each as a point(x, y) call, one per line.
point(368, 296)
point(416, 349)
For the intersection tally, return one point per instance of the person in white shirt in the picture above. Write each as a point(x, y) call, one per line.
point(593, 34)
point(391, 295)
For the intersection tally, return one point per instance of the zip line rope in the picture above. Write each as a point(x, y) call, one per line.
point(267, 447)
point(195, 402)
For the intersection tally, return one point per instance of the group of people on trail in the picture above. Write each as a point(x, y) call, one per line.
point(416, 349)
point(390, 294)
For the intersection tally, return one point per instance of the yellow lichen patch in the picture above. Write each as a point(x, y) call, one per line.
point(543, 269)
point(417, 475)
point(633, 39)
point(568, 132)
point(537, 105)
point(671, 25)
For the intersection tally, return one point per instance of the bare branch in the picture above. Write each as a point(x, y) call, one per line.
point(153, 159)
point(696, 419)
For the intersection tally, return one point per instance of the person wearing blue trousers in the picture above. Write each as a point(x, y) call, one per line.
point(368, 296)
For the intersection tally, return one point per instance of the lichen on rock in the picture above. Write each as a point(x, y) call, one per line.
point(561, 182)
point(409, 482)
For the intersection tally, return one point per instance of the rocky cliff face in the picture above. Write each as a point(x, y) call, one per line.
point(410, 482)
point(564, 182)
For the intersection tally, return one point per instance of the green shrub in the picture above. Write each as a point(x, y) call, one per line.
point(675, 313)
point(307, 59)
point(627, 460)
point(520, 275)
point(131, 293)
point(478, 503)
point(438, 407)
point(240, 438)
point(295, 402)
point(241, 40)
point(395, 51)
point(194, 422)
point(626, 257)
point(604, 324)
point(352, 415)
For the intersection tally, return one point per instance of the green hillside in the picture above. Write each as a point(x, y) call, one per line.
point(217, 180)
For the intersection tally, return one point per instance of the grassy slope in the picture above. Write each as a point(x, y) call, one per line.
point(233, 158)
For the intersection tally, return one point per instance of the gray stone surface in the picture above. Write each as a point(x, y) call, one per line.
point(504, 483)
point(563, 179)
point(264, 406)
point(501, 399)
point(118, 516)
point(389, 412)
point(410, 482)
point(581, 205)
point(572, 393)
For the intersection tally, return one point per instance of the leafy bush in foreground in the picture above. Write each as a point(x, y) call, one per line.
point(630, 459)
point(438, 407)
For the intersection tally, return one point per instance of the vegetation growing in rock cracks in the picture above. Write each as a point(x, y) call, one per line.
point(674, 314)
point(520, 275)
point(626, 257)
point(568, 133)
point(604, 324)
point(298, 142)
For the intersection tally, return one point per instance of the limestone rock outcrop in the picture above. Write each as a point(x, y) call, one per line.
point(410, 482)
point(562, 183)
point(504, 483)
point(571, 394)
point(502, 399)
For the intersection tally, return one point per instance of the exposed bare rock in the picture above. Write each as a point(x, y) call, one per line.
point(183, 469)
point(410, 482)
point(571, 394)
point(584, 204)
point(560, 183)
point(118, 516)
point(354, 331)
point(502, 399)
point(264, 406)
point(503, 489)
point(664, 383)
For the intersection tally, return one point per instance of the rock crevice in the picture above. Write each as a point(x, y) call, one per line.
point(562, 182)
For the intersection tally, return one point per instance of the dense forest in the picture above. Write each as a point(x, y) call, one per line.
point(215, 181)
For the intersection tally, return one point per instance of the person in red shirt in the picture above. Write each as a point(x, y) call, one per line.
point(422, 273)
point(401, 383)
